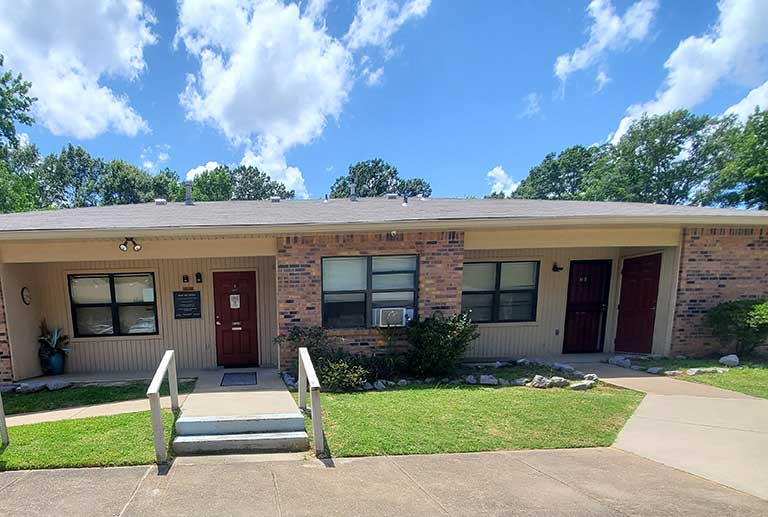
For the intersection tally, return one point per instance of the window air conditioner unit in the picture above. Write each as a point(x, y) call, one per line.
point(391, 317)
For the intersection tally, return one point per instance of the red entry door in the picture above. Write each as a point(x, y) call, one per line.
point(637, 305)
point(234, 294)
point(588, 285)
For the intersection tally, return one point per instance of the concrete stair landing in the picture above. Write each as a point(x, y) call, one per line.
point(240, 434)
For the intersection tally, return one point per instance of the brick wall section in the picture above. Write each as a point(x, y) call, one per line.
point(441, 257)
point(716, 265)
point(6, 372)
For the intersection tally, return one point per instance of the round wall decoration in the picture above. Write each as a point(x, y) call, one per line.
point(26, 296)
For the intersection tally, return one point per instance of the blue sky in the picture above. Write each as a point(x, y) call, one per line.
point(446, 90)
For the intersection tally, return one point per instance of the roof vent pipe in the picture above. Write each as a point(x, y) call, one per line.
point(188, 193)
point(352, 191)
point(160, 201)
point(274, 199)
point(405, 200)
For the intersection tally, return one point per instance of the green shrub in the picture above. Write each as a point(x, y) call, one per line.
point(341, 375)
point(438, 343)
point(741, 324)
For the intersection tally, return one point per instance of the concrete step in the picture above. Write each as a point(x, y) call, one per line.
point(241, 443)
point(271, 423)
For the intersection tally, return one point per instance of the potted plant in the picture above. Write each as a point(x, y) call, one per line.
point(52, 349)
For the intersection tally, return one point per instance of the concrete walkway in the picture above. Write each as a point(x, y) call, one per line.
point(717, 434)
point(557, 482)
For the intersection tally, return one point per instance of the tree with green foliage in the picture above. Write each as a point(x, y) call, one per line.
point(166, 185)
point(15, 107)
point(124, 184)
point(661, 159)
point(496, 195)
point(70, 179)
point(250, 183)
point(213, 185)
point(373, 178)
point(744, 178)
point(559, 176)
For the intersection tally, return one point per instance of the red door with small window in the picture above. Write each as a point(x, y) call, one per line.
point(237, 341)
point(637, 304)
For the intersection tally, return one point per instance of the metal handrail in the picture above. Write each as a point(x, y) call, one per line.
point(3, 424)
point(307, 375)
point(167, 365)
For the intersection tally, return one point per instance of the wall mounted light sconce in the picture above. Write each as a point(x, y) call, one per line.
point(556, 268)
point(198, 278)
point(135, 245)
point(185, 279)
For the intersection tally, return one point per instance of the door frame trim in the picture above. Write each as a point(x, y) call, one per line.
point(213, 272)
point(604, 323)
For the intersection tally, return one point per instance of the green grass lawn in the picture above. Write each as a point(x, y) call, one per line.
point(750, 379)
point(102, 441)
point(438, 419)
point(16, 403)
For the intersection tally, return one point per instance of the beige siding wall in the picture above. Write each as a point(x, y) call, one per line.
point(193, 339)
point(23, 320)
point(545, 335)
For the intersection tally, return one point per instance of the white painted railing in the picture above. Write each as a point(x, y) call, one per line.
point(3, 425)
point(307, 375)
point(167, 365)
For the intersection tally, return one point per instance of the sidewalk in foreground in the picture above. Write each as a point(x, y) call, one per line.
point(717, 434)
point(573, 482)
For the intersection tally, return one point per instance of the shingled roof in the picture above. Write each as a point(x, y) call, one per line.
point(297, 214)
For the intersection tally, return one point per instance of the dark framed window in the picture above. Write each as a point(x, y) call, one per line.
point(355, 288)
point(114, 304)
point(500, 291)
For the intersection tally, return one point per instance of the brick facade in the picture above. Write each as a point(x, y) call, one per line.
point(716, 265)
point(6, 371)
point(441, 257)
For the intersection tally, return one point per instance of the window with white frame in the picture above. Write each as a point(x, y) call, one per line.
point(354, 288)
point(500, 291)
point(113, 304)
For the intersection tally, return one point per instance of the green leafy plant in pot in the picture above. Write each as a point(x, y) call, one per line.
point(53, 349)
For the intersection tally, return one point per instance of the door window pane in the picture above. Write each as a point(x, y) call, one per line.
point(518, 275)
point(137, 319)
point(134, 289)
point(517, 306)
point(393, 281)
point(94, 321)
point(479, 306)
point(394, 263)
point(344, 310)
point(90, 289)
point(479, 277)
point(345, 274)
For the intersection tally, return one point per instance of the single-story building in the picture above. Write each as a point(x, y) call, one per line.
point(218, 281)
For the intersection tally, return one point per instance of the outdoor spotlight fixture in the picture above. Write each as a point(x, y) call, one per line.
point(124, 245)
point(198, 278)
point(556, 268)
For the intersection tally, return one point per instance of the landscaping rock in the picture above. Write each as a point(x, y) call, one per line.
point(636, 367)
point(590, 377)
point(8, 388)
point(577, 374)
point(403, 382)
point(488, 380)
point(713, 370)
point(693, 371)
point(499, 364)
point(558, 382)
point(30, 387)
point(470, 379)
point(379, 386)
point(523, 361)
point(429, 380)
point(367, 386)
point(539, 381)
point(389, 383)
point(567, 368)
point(672, 373)
point(520, 381)
point(730, 360)
point(620, 360)
point(681, 357)
point(656, 370)
point(58, 385)
point(582, 385)
point(503, 382)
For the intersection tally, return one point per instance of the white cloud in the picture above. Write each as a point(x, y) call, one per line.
point(500, 181)
point(154, 156)
point(271, 76)
point(758, 97)
point(531, 105)
point(67, 49)
point(377, 20)
point(602, 79)
point(609, 32)
point(191, 173)
point(732, 50)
